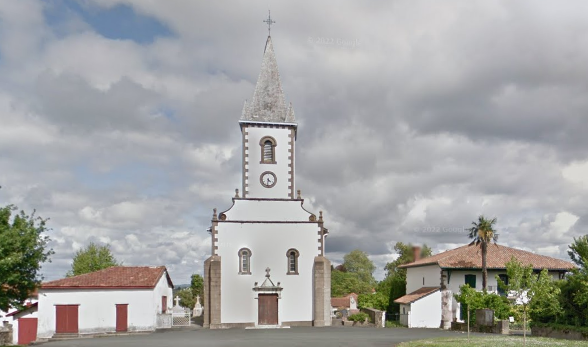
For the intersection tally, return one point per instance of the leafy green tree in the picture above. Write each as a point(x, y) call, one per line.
point(23, 247)
point(578, 252)
point(343, 283)
point(197, 285)
point(573, 301)
point(544, 306)
point(472, 299)
point(521, 286)
point(90, 259)
point(377, 300)
point(187, 299)
point(482, 234)
point(358, 262)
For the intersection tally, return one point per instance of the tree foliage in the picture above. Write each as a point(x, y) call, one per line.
point(343, 283)
point(482, 234)
point(578, 252)
point(530, 290)
point(23, 247)
point(188, 295)
point(90, 259)
point(475, 300)
point(197, 285)
point(358, 262)
point(377, 300)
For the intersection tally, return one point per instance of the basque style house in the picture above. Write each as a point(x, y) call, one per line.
point(267, 265)
point(431, 281)
point(117, 299)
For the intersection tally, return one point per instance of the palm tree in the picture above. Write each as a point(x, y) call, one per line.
point(482, 233)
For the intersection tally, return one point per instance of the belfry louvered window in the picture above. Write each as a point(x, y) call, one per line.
point(268, 150)
point(268, 153)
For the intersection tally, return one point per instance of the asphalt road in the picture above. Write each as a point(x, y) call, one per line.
point(296, 336)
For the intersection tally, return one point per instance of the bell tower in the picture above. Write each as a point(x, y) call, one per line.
point(268, 130)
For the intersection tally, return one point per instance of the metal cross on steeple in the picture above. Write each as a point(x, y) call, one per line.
point(269, 22)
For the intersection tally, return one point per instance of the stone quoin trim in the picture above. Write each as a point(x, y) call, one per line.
point(291, 140)
point(262, 145)
point(245, 261)
point(245, 161)
point(214, 233)
point(292, 261)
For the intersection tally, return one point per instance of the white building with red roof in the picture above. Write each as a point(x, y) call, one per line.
point(117, 299)
point(425, 279)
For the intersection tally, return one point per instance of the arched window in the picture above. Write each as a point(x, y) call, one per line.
point(244, 261)
point(268, 150)
point(292, 256)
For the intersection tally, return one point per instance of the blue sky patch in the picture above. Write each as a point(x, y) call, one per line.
point(117, 23)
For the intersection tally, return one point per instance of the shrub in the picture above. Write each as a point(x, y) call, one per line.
point(358, 317)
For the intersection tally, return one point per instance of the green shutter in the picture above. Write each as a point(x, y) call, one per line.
point(471, 280)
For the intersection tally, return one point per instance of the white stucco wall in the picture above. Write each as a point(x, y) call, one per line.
point(426, 312)
point(255, 169)
point(97, 307)
point(268, 243)
point(415, 275)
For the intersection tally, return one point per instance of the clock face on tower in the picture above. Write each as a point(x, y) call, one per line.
point(268, 179)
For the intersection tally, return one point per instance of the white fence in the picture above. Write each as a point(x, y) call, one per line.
point(181, 318)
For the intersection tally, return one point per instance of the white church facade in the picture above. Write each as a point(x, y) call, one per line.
point(267, 265)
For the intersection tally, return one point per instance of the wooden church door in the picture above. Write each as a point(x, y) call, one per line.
point(268, 309)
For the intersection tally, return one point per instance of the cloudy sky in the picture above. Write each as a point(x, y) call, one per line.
point(118, 120)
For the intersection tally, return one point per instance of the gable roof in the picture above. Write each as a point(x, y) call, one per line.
point(116, 277)
point(416, 295)
point(344, 301)
point(470, 257)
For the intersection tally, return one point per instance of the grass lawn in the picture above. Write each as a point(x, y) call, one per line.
point(491, 341)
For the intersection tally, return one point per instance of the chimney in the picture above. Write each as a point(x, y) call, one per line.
point(416, 253)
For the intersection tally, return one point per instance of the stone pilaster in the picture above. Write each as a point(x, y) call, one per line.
point(212, 290)
point(322, 292)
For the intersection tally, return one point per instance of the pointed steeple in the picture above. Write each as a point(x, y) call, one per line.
point(268, 103)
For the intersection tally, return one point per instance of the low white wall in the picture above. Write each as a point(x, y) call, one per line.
point(426, 312)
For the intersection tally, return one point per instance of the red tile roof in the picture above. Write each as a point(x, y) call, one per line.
point(470, 257)
point(417, 294)
point(116, 277)
point(344, 301)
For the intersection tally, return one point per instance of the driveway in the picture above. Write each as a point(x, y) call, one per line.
point(296, 336)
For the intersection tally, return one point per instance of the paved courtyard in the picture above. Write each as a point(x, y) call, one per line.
point(297, 336)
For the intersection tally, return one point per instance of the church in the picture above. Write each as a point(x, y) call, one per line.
point(267, 266)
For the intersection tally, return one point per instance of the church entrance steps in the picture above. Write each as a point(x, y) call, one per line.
point(269, 327)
